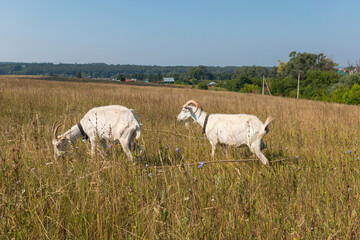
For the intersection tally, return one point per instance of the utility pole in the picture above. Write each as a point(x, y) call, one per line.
point(298, 87)
point(263, 84)
point(267, 87)
point(263, 87)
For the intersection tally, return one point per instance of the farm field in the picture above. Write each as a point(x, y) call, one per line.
point(313, 195)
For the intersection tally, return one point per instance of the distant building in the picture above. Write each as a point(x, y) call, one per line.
point(351, 72)
point(168, 81)
point(212, 84)
point(342, 72)
point(130, 80)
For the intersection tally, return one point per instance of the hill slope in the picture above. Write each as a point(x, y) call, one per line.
point(314, 195)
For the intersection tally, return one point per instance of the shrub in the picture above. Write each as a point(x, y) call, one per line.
point(202, 86)
point(249, 88)
point(354, 95)
point(338, 94)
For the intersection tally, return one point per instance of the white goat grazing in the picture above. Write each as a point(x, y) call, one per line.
point(229, 129)
point(115, 123)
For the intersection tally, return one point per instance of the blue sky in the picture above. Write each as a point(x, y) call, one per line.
point(159, 32)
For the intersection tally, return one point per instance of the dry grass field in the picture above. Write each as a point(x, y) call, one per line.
point(313, 195)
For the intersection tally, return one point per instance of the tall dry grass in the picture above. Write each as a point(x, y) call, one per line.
point(314, 195)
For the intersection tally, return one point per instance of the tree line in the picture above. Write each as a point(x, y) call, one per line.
point(102, 70)
point(320, 78)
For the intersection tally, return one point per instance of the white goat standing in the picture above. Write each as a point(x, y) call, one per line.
point(229, 129)
point(114, 123)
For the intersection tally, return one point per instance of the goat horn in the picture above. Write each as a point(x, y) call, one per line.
point(194, 102)
point(198, 105)
point(55, 129)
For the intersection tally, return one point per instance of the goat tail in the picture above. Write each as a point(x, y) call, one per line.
point(268, 121)
point(265, 128)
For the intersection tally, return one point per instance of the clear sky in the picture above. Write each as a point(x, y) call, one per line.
point(177, 32)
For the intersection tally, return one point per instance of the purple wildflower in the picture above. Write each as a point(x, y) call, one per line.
point(177, 150)
point(109, 146)
point(201, 164)
point(349, 151)
point(297, 157)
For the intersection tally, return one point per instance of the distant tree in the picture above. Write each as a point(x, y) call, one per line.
point(250, 88)
point(257, 81)
point(183, 82)
point(325, 64)
point(283, 86)
point(17, 68)
point(305, 62)
point(201, 73)
point(253, 71)
point(272, 73)
point(78, 74)
point(224, 75)
point(120, 77)
point(202, 85)
point(281, 67)
point(237, 84)
point(317, 84)
point(194, 81)
point(349, 80)
point(184, 76)
point(339, 94)
point(353, 96)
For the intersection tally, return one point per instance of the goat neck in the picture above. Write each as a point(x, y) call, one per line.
point(72, 134)
point(199, 117)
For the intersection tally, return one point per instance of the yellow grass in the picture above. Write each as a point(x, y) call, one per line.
point(314, 195)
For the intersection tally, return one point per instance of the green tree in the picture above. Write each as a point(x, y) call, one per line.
point(78, 74)
point(305, 62)
point(237, 84)
point(202, 85)
point(283, 86)
point(120, 77)
point(353, 96)
point(250, 88)
point(250, 72)
point(201, 73)
point(281, 67)
point(225, 75)
point(350, 80)
point(316, 86)
point(339, 94)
